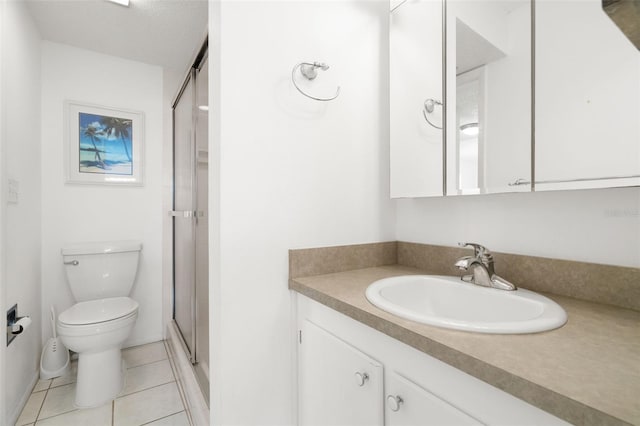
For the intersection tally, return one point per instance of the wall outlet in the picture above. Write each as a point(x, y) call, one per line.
point(13, 189)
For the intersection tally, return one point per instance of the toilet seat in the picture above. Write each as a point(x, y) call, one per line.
point(94, 312)
point(97, 317)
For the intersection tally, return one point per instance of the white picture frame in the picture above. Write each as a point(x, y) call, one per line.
point(103, 145)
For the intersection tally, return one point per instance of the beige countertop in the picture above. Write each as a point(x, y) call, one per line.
point(586, 372)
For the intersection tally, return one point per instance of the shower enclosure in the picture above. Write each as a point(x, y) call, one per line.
point(190, 218)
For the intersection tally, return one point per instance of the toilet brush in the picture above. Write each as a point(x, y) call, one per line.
point(55, 356)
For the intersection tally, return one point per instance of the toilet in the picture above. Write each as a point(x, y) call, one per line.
point(101, 276)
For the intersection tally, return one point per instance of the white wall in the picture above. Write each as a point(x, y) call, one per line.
point(75, 213)
point(600, 226)
point(292, 173)
point(21, 221)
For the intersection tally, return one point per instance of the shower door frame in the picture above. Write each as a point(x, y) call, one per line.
point(192, 215)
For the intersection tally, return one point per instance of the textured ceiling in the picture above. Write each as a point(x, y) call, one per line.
point(159, 32)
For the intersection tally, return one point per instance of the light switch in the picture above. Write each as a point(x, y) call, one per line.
point(13, 189)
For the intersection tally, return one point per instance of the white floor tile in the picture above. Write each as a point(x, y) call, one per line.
point(100, 416)
point(42, 385)
point(59, 400)
point(66, 379)
point(148, 405)
point(145, 354)
point(31, 409)
point(147, 376)
point(179, 419)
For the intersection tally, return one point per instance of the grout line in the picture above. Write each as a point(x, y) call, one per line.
point(142, 390)
point(128, 367)
point(41, 390)
point(149, 363)
point(64, 384)
point(56, 415)
point(113, 412)
point(41, 405)
point(160, 418)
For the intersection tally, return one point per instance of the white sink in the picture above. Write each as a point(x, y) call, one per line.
point(450, 302)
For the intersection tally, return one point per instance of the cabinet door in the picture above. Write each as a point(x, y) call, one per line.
point(408, 404)
point(338, 384)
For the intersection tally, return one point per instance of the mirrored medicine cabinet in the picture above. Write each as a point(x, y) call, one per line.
point(511, 96)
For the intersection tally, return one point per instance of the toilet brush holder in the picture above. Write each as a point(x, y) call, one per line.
point(54, 361)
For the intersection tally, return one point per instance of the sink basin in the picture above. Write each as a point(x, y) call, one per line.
point(449, 302)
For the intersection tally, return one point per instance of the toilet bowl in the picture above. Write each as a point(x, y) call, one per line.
point(100, 276)
point(96, 330)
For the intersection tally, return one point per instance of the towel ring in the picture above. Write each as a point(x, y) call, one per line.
point(428, 107)
point(310, 72)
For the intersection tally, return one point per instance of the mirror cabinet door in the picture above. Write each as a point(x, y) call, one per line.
point(488, 96)
point(587, 98)
point(416, 101)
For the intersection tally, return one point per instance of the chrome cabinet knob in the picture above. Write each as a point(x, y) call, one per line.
point(361, 378)
point(394, 402)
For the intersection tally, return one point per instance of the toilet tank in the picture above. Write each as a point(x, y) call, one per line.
point(100, 270)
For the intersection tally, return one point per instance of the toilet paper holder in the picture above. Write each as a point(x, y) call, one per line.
point(15, 324)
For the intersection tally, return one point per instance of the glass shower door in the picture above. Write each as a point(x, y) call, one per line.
point(202, 227)
point(184, 180)
point(190, 213)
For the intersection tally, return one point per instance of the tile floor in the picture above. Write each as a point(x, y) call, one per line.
point(150, 396)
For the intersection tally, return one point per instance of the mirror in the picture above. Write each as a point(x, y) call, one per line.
point(587, 99)
point(416, 107)
point(488, 96)
point(587, 96)
point(488, 91)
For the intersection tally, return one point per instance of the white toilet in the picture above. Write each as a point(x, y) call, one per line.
point(101, 276)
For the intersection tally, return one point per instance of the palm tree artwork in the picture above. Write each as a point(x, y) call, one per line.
point(92, 133)
point(105, 144)
point(120, 128)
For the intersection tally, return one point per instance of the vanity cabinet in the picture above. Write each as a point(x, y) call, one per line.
point(351, 374)
point(339, 384)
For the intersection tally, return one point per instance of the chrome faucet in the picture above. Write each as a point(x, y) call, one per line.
point(481, 267)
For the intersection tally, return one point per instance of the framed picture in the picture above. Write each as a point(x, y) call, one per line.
point(103, 145)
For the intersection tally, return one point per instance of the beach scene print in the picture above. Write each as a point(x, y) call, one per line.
point(105, 144)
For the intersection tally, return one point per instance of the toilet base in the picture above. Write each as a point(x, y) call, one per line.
point(100, 377)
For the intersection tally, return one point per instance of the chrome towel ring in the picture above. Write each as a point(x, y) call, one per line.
point(310, 72)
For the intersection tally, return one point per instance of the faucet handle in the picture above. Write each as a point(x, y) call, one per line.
point(478, 249)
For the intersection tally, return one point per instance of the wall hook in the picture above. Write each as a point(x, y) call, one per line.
point(310, 72)
point(428, 107)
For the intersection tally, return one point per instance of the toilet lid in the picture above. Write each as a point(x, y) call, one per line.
point(101, 310)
